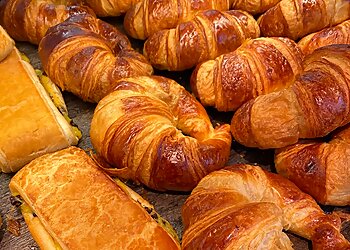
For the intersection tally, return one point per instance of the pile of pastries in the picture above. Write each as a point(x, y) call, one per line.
point(282, 66)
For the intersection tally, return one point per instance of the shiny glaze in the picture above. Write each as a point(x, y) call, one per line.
point(151, 130)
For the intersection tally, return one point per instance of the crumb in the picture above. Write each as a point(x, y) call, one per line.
point(13, 226)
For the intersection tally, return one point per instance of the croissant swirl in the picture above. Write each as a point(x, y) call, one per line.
point(150, 16)
point(313, 106)
point(139, 129)
point(6, 44)
point(297, 18)
point(84, 55)
point(28, 20)
point(257, 67)
point(244, 207)
point(339, 34)
point(210, 34)
point(319, 169)
point(111, 7)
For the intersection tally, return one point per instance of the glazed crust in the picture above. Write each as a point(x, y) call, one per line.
point(82, 208)
point(245, 206)
point(297, 18)
point(28, 20)
point(313, 106)
point(6, 44)
point(85, 55)
point(150, 16)
point(253, 6)
point(210, 34)
point(140, 130)
point(260, 66)
point(30, 124)
point(111, 7)
point(319, 169)
point(339, 34)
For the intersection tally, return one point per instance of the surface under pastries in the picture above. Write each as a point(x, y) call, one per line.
point(30, 124)
point(82, 208)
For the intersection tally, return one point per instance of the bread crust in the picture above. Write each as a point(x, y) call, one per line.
point(83, 208)
point(6, 44)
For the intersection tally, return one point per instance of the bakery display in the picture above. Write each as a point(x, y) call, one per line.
point(150, 16)
point(69, 203)
point(30, 124)
point(151, 130)
point(209, 34)
point(259, 66)
point(320, 169)
point(28, 20)
point(245, 207)
point(296, 18)
point(339, 34)
point(111, 7)
point(313, 106)
point(85, 55)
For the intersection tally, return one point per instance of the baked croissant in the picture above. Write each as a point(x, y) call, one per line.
point(150, 16)
point(111, 7)
point(6, 44)
point(339, 34)
point(319, 169)
point(297, 18)
point(259, 66)
point(151, 130)
point(210, 34)
point(244, 207)
point(84, 55)
point(28, 20)
point(313, 106)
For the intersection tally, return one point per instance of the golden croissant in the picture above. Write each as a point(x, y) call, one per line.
point(319, 169)
point(85, 55)
point(339, 34)
point(245, 207)
point(150, 16)
point(111, 7)
point(151, 130)
point(210, 34)
point(28, 20)
point(259, 66)
point(6, 44)
point(297, 18)
point(313, 106)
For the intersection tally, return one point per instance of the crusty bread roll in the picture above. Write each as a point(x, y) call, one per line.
point(69, 203)
point(30, 123)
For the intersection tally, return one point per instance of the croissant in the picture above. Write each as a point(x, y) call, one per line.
point(151, 130)
point(150, 16)
point(28, 20)
point(6, 44)
point(253, 6)
point(210, 34)
point(319, 169)
point(257, 67)
point(244, 207)
point(297, 18)
point(84, 55)
point(339, 34)
point(313, 106)
point(110, 7)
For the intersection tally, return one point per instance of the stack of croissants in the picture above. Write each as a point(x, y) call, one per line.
point(282, 66)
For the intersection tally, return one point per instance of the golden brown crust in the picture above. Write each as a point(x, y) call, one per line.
point(209, 34)
point(111, 7)
point(140, 130)
point(6, 44)
point(238, 194)
point(85, 55)
point(82, 208)
point(254, 6)
point(31, 125)
point(314, 105)
point(259, 66)
point(297, 18)
point(150, 16)
point(28, 20)
point(339, 34)
point(319, 169)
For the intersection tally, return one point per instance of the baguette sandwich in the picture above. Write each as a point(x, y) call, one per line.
point(68, 202)
point(30, 124)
